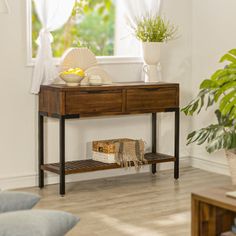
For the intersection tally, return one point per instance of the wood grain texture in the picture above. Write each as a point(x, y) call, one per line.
point(63, 102)
point(93, 102)
point(151, 98)
point(217, 197)
point(212, 212)
point(123, 85)
point(132, 205)
point(51, 101)
point(115, 99)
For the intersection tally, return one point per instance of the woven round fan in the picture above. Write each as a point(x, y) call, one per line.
point(77, 57)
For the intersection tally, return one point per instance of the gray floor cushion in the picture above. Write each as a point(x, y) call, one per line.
point(15, 201)
point(36, 223)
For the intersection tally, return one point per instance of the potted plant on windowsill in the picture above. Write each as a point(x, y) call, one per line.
point(152, 31)
point(220, 91)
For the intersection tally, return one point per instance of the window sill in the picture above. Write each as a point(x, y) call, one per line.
point(101, 60)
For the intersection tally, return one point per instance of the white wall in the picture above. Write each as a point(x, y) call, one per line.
point(18, 120)
point(214, 33)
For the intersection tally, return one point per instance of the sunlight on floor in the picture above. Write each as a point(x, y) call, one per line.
point(131, 229)
point(173, 220)
point(127, 228)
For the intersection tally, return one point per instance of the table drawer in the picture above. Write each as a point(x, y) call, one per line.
point(94, 101)
point(152, 99)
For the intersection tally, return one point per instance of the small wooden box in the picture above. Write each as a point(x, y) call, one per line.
point(107, 146)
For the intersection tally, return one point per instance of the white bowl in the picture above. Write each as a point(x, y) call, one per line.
point(71, 79)
point(95, 83)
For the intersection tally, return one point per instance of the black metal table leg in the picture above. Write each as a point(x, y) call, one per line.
point(176, 167)
point(62, 156)
point(154, 139)
point(40, 150)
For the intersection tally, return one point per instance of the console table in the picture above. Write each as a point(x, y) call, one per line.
point(63, 102)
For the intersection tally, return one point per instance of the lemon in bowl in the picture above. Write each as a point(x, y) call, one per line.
point(73, 76)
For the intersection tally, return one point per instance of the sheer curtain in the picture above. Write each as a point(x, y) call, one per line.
point(52, 14)
point(138, 8)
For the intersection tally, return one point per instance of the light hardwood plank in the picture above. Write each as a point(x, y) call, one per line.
point(133, 205)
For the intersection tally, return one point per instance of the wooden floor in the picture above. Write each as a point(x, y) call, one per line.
point(137, 205)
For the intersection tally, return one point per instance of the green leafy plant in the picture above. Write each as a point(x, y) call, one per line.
point(154, 29)
point(219, 90)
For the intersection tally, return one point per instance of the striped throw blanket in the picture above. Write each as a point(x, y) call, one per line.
point(129, 153)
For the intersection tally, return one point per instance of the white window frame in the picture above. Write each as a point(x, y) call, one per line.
point(101, 59)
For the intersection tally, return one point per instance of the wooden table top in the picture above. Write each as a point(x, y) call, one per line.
point(120, 85)
point(217, 197)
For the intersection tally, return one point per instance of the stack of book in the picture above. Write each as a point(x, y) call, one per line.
point(232, 232)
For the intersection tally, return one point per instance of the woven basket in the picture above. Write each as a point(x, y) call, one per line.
point(231, 157)
point(107, 146)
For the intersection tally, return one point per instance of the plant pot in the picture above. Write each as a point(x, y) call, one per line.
point(151, 52)
point(151, 56)
point(231, 157)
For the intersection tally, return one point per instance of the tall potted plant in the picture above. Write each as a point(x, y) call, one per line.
point(220, 91)
point(152, 31)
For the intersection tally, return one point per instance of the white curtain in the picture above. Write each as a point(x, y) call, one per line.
point(139, 8)
point(53, 14)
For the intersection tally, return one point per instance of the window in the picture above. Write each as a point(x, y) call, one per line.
point(97, 24)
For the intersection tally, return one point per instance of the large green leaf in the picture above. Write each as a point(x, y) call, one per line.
point(223, 140)
point(226, 110)
point(198, 103)
point(208, 84)
point(215, 136)
point(223, 89)
point(229, 58)
point(210, 100)
point(232, 114)
point(219, 90)
point(233, 52)
point(227, 78)
point(218, 74)
point(229, 70)
point(227, 99)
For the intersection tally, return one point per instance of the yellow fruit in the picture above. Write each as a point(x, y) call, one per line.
point(77, 71)
point(80, 73)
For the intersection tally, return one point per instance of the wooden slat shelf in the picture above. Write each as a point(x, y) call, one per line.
point(73, 167)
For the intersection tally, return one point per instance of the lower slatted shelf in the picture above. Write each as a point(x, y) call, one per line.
point(73, 167)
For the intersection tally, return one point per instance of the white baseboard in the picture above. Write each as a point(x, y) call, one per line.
point(210, 166)
point(31, 180)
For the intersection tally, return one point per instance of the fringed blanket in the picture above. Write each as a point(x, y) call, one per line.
point(130, 152)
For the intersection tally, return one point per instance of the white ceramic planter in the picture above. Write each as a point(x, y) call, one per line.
point(231, 157)
point(151, 56)
point(151, 52)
